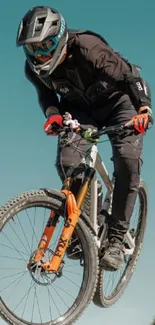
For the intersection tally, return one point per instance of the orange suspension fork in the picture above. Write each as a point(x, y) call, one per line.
point(49, 229)
point(73, 213)
point(47, 235)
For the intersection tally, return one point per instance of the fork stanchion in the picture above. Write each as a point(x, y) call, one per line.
point(89, 174)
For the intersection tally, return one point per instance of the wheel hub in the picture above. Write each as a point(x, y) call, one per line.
point(38, 274)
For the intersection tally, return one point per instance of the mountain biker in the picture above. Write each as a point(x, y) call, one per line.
point(77, 71)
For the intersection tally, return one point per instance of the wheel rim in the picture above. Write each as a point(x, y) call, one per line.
point(114, 282)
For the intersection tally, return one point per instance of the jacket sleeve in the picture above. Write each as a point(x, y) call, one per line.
point(109, 67)
point(47, 98)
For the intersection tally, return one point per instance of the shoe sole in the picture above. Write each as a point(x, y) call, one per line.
point(112, 267)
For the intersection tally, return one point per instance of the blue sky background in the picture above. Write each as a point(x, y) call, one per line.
point(28, 156)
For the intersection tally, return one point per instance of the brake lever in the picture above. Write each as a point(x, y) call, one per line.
point(129, 125)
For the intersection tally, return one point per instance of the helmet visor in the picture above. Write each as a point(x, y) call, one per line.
point(43, 48)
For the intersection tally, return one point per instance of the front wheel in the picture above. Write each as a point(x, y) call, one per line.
point(37, 296)
point(111, 285)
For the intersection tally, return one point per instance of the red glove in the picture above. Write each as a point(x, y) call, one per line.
point(140, 122)
point(53, 118)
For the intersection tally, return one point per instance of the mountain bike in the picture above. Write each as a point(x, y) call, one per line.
point(40, 282)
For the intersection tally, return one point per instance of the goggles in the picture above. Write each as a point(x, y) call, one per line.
point(43, 48)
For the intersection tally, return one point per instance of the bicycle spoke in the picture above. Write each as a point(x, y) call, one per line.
point(72, 265)
point(72, 272)
point(43, 224)
point(54, 284)
point(60, 297)
point(18, 237)
point(54, 302)
point(9, 276)
point(23, 298)
point(49, 303)
point(10, 284)
point(15, 287)
point(17, 250)
point(28, 292)
point(14, 245)
point(10, 268)
point(34, 235)
point(50, 309)
point(38, 304)
point(24, 233)
point(12, 258)
point(71, 281)
point(112, 281)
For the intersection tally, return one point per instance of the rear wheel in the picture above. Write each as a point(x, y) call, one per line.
point(35, 296)
point(111, 285)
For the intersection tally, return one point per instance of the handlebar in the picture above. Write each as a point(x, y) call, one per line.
point(113, 129)
point(119, 128)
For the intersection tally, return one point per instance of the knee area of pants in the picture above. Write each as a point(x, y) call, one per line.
point(62, 170)
point(125, 167)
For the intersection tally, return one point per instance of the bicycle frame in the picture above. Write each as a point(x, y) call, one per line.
point(97, 163)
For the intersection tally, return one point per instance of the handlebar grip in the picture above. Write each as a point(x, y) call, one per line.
point(129, 125)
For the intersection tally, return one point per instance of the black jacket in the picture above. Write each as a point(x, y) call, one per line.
point(91, 74)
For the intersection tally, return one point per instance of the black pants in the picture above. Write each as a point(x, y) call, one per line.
point(127, 150)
